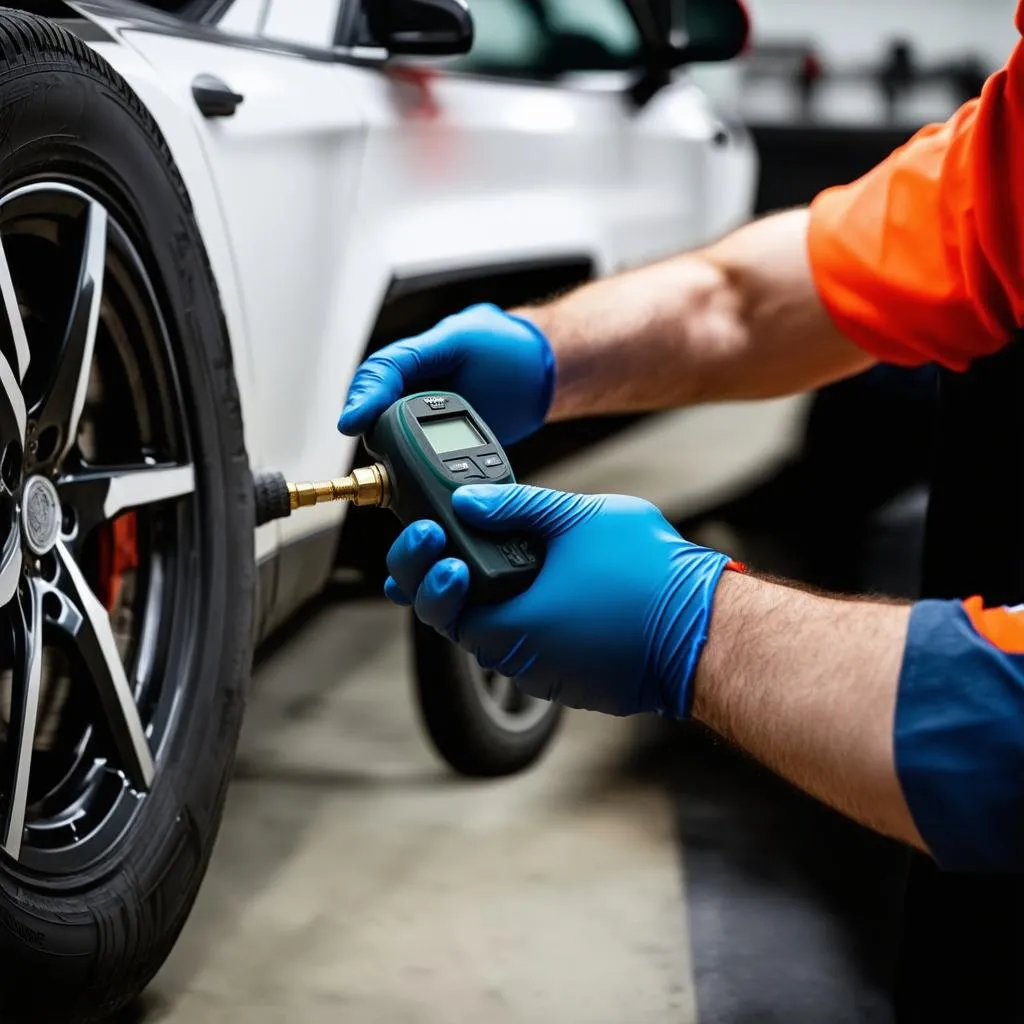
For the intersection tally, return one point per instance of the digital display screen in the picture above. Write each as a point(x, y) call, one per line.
point(451, 435)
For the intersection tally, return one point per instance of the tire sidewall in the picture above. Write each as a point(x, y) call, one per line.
point(457, 722)
point(113, 154)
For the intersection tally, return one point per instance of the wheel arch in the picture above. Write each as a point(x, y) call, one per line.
point(414, 302)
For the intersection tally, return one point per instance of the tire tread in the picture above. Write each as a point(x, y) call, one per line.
point(29, 42)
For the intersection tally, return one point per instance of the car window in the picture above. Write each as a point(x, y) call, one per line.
point(544, 39)
point(242, 17)
point(308, 22)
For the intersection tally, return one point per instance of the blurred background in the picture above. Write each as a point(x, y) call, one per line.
point(638, 871)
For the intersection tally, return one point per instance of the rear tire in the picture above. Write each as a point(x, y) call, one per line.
point(473, 733)
point(78, 943)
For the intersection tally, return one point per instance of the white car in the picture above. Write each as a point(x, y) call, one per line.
point(209, 214)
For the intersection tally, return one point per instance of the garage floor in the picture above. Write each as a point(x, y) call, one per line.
point(640, 874)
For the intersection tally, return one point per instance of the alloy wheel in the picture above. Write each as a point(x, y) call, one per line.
point(506, 705)
point(95, 459)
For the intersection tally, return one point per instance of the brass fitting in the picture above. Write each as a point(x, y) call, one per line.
point(367, 486)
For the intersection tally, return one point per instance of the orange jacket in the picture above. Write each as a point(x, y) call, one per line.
point(922, 259)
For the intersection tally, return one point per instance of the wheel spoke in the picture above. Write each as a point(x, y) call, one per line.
point(11, 323)
point(62, 406)
point(87, 621)
point(98, 495)
point(10, 573)
point(501, 688)
point(12, 406)
point(25, 689)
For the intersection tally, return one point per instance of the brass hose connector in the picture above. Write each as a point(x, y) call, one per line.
point(367, 486)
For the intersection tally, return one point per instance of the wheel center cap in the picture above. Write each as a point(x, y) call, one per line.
point(40, 514)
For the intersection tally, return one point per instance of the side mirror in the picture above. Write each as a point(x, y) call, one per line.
point(677, 32)
point(439, 28)
point(705, 31)
point(698, 31)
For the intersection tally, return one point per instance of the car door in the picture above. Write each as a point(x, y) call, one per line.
point(535, 133)
point(285, 165)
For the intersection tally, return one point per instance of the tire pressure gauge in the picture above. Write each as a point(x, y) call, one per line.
point(427, 446)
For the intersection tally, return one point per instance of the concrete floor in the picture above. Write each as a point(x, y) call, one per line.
point(356, 879)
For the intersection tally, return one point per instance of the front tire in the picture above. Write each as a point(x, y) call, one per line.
point(480, 723)
point(110, 812)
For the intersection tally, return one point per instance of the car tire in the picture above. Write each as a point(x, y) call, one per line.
point(479, 723)
point(85, 926)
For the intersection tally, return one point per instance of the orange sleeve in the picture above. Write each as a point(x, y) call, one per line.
point(1003, 627)
point(922, 259)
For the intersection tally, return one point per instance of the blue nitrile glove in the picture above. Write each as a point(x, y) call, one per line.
point(501, 364)
point(616, 620)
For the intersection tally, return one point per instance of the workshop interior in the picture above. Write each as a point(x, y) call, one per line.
point(237, 784)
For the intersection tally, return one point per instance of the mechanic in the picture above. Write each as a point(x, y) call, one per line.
point(908, 718)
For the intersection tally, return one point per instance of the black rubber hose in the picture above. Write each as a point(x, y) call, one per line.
point(272, 499)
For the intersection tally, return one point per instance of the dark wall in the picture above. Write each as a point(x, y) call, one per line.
point(798, 161)
point(868, 439)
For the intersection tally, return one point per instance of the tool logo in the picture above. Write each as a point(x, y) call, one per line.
point(518, 553)
point(437, 402)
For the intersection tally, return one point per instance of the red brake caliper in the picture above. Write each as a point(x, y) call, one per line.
point(118, 554)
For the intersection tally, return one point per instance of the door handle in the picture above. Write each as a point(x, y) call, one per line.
point(214, 97)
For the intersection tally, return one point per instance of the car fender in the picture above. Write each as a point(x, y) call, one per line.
point(183, 142)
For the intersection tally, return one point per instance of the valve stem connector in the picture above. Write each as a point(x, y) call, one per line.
point(369, 485)
point(276, 498)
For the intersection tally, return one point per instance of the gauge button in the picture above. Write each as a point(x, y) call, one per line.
point(464, 469)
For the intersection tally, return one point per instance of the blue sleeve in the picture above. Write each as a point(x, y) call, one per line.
point(959, 741)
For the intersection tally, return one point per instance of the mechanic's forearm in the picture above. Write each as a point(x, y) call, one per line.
point(738, 319)
point(808, 686)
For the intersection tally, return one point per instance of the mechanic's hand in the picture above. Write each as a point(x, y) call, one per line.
point(616, 620)
point(501, 364)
